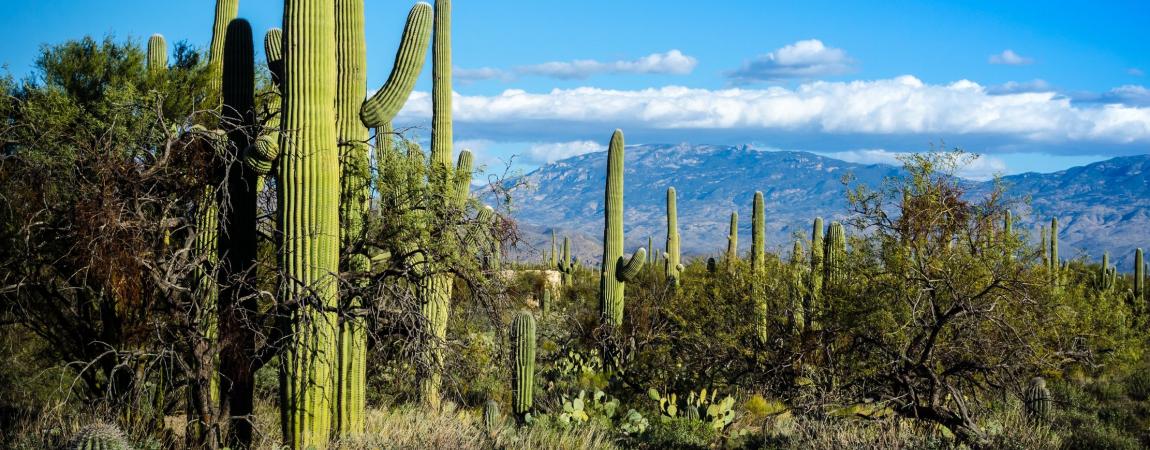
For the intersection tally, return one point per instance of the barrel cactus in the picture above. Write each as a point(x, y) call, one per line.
point(491, 418)
point(615, 271)
point(1037, 399)
point(100, 436)
point(523, 349)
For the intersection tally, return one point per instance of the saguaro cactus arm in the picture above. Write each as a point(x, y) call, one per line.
point(628, 270)
point(409, 59)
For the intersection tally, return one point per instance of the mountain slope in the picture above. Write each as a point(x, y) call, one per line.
point(1102, 206)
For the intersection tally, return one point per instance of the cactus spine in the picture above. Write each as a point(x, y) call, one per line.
point(674, 266)
point(1037, 399)
point(733, 240)
point(523, 340)
point(308, 220)
point(1139, 276)
point(157, 54)
point(615, 272)
point(834, 259)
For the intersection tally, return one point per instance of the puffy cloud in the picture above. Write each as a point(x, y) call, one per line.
point(1009, 58)
point(545, 153)
point(673, 62)
point(1131, 95)
point(802, 59)
point(981, 168)
point(812, 111)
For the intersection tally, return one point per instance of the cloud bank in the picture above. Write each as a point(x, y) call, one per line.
point(812, 111)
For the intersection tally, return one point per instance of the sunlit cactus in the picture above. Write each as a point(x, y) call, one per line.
point(673, 263)
point(523, 349)
point(834, 256)
point(615, 270)
point(733, 240)
point(157, 54)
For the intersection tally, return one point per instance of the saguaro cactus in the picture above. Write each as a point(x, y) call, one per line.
point(615, 271)
point(815, 287)
point(758, 240)
point(797, 288)
point(834, 258)
point(565, 267)
point(237, 244)
point(523, 343)
point(1139, 275)
point(308, 220)
point(226, 11)
point(1055, 262)
point(157, 54)
point(1037, 399)
point(1107, 275)
point(674, 266)
point(491, 418)
point(733, 240)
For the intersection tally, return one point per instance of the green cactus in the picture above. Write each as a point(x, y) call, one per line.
point(157, 54)
point(1037, 399)
point(308, 222)
point(565, 267)
point(815, 287)
point(797, 289)
point(674, 266)
point(834, 257)
point(758, 240)
point(100, 436)
point(1107, 275)
point(615, 272)
point(554, 256)
point(733, 240)
point(226, 11)
point(1055, 264)
point(237, 242)
point(523, 342)
point(545, 301)
point(492, 421)
point(262, 154)
point(1139, 275)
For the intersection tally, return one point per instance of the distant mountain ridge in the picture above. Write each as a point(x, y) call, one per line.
point(1101, 206)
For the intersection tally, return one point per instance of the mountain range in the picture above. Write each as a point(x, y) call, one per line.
point(1101, 207)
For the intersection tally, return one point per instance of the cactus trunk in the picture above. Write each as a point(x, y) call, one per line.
point(815, 287)
point(615, 271)
point(834, 259)
point(1139, 277)
point(308, 220)
point(523, 342)
point(733, 241)
point(674, 266)
point(758, 264)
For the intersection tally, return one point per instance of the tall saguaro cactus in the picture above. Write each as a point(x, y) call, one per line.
point(674, 266)
point(834, 258)
point(815, 288)
point(615, 270)
point(523, 347)
point(226, 11)
point(1139, 276)
point(565, 267)
point(1055, 262)
point(733, 240)
point(237, 302)
point(758, 241)
point(308, 220)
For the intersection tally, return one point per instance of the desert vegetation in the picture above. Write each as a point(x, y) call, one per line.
point(200, 250)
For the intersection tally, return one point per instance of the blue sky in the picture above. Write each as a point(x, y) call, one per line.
point(1031, 85)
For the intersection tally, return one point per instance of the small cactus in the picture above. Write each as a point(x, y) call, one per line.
point(491, 418)
point(1037, 399)
point(100, 436)
point(1139, 275)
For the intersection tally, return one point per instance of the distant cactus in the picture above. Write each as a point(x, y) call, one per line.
point(733, 240)
point(545, 301)
point(1139, 275)
point(523, 347)
point(615, 270)
point(100, 436)
point(674, 266)
point(797, 289)
point(1107, 275)
point(834, 256)
point(815, 285)
point(565, 266)
point(758, 240)
point(1037, 399)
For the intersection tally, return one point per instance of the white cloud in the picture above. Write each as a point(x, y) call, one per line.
point(1135, 72)
point(546, 153)
point(898, 106)
point(673, 62)
point(802, 59)
point(982, 168)
point(1016, 87)
point(1009, 58)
